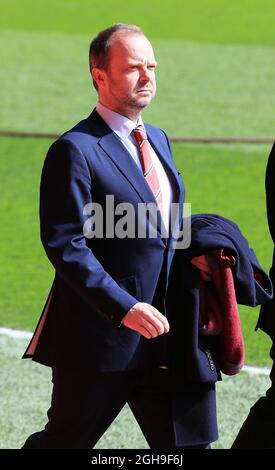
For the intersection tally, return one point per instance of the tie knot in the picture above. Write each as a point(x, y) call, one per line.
point(139, 133)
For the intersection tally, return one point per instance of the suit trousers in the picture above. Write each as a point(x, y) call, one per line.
point(258, 430)
point(85, 403)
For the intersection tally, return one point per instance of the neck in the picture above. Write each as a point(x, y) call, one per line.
point(132, 114)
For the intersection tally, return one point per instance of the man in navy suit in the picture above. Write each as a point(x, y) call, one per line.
point(258, 429)
point(104, 327)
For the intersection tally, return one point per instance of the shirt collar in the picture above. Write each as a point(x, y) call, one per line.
point(119, 124)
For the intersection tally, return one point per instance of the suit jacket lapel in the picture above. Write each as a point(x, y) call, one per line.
point(116, 151)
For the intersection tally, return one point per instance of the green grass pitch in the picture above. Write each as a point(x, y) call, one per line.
point(215, 78)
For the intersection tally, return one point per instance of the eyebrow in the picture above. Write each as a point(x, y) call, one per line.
point(137, 62)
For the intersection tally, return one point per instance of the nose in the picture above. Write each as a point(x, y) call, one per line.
point(144, 75)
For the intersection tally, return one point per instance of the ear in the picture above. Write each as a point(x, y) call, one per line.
point(99, 76)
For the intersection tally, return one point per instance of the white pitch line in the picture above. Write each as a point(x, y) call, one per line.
point(256, 370)
point(16, 333)
point(28, 335)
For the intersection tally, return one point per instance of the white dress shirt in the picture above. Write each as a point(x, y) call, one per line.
point(122, 126)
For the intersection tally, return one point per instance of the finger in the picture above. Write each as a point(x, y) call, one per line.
point(160, 318)
point(162, 324)
point(132, 322)
point(145, 331)
point(150, 327)
point(154, 322)
point(142, 331)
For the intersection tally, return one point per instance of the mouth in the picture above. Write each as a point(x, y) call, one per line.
point(144, 90)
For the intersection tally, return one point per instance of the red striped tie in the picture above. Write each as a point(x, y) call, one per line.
point(149, 170)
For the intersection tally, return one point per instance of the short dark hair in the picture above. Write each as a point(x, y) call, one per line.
point(100, 45)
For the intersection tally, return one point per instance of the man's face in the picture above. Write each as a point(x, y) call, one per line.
point(130, 82)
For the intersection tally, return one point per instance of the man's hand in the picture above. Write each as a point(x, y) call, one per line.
point(146, 320)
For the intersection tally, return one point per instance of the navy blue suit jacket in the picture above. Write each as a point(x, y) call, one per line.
point(99, 279)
